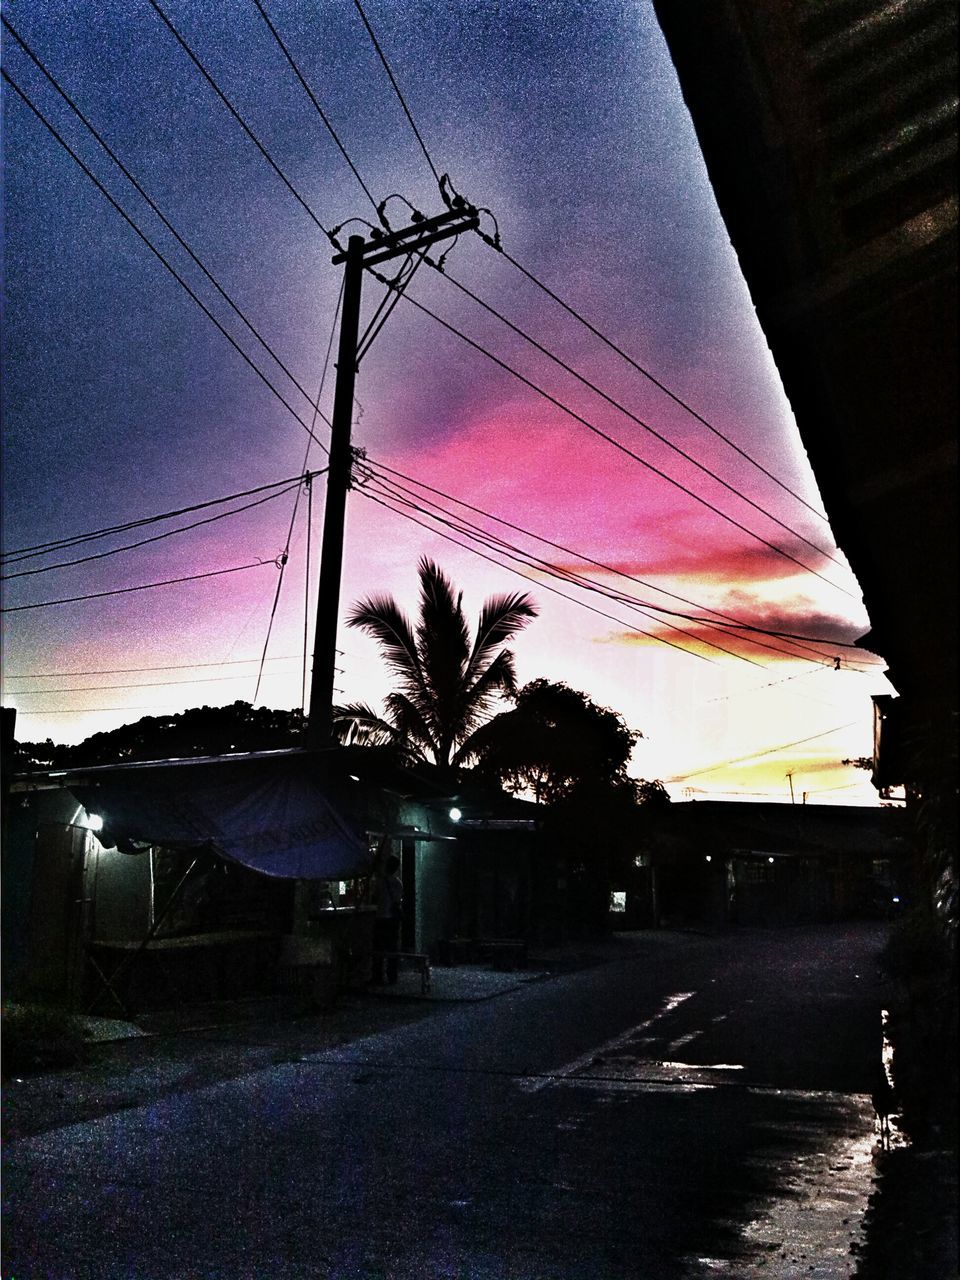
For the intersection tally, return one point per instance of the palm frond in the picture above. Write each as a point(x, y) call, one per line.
point(498, 680)
point(359, 725)
point(444, 685)
point(411, 725)
point(443, 645)
point(382, 618)
point(500, 618)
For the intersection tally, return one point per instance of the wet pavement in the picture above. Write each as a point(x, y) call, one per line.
point(693, 1107)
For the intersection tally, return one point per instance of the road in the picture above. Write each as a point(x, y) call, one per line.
point(695, 1109)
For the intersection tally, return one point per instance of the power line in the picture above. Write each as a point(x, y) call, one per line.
point(629, 414)
point(239, 119)
point(282, 564)
point(166, 222)
point(755, 755)
point(144, 586)
point(180, 280)
point(612, 440)
point(537, 563)
point(43, 548)
point(310, 94)
point(144, 684)
point(307, 566)
point(393, 285)
point(463, 336)
point(502, 547)
point(131, 546)
point(546, 585)
point(122, 671)
point(495, 243)
point(652, 378)
point(728, 620)
point(386, 64)
point(82, 711)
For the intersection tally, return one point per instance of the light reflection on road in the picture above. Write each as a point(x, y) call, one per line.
point(604, 1051)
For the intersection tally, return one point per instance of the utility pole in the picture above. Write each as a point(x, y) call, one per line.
point(790, 780)
point(360, 254)
point(338, 481)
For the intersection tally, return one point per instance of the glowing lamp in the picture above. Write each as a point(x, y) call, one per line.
point(709, 857)
point(455, 815)
point(94, 822)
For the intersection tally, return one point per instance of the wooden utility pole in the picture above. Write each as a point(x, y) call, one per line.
point(360, 254)
point(338, 481)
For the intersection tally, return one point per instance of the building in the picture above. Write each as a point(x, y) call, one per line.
point(829, 134)
point(726, 862)
point(155, 882)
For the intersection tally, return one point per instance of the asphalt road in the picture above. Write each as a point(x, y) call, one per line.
point(695, 1109)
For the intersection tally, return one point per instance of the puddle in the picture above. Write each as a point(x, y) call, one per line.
point(812, 1226)
point(807, 1231)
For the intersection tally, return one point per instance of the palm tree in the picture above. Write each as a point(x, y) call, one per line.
point(446, 686)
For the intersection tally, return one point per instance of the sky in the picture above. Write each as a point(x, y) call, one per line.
point(123, 399)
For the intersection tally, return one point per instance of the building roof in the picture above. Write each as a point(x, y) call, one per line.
point(773, 827)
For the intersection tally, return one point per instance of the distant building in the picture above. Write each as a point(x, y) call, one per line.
point(727, 862)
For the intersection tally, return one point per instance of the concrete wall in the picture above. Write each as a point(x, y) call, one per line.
point(120, 886)
point(436, 863)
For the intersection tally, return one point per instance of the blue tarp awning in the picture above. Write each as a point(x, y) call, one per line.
point(272, 815)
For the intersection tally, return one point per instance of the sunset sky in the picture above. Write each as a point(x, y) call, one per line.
point(123, 400)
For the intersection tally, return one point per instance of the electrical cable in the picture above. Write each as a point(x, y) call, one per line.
point(82, 711)
point(617, 443)
point(612, 440)
point(728, 620)
point(757, 754)
point(306, 599)
point(42, 548)
point(123, 671)
point(166, 222)
point(386, 64)
point(144, 586)
point(306, 602)
point(495, 243)
point(239, 119)
point(387, 307)
point(640, 606)
point(501, 547)
point(629, 414)
point(285, 554)
point(281, 564)
point(579, 555)
point(656, 381)
point(130, 546)
point(180, 280)
point(620, 622)
point(310, 94)
point(144, 684)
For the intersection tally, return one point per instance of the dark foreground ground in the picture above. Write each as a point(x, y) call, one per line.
point(689, 1107)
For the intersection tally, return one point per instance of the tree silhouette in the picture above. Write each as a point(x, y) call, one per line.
point(200, 731)
point(572, 755)
point(446, 684)
point(554, 741)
